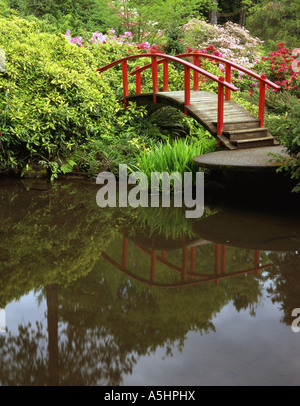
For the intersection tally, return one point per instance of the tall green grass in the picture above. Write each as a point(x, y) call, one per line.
point(175, 155)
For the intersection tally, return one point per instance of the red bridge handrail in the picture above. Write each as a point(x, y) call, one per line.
point(228, 65)
point(171, 57)
point(217, 58)
point(222, 83)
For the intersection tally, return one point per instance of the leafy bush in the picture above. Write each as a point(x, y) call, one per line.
point(76, 15)
point(51, 95)
point(134, 131)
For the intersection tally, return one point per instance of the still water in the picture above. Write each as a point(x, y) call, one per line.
point(144, 296)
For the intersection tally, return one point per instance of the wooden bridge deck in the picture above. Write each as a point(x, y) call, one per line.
point(241, 128)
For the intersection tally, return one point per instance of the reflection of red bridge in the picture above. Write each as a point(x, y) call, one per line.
point(188, 275)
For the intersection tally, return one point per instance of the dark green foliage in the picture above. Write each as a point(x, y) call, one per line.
point(289, 127)
point(276, 21)
point(75, 15)
point(174, 35)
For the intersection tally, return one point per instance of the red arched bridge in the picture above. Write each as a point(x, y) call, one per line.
point(233, 126)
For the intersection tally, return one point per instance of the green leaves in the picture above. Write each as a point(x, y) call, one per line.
point(68, 166)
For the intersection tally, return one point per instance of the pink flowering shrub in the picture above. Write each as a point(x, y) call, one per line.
point(74, 40)
point(99, 37)
point(111, 39)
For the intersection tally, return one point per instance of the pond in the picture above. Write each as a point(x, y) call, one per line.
point(144, 296)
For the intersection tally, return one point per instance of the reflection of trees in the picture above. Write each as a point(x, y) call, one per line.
point(92, 358)
point(97, 318)
point(49, 235)
point(70, 355)
point(23, 357)
point(285, 287)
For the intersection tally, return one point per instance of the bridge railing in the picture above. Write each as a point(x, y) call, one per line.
point(229, 65)
point(222, 83)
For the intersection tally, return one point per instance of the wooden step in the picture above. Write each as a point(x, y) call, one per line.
point(249, 133)
point(253, 143)
point(240, 125)
point(225, 142)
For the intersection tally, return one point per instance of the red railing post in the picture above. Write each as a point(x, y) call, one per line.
point(193, 259)
point(228, 79)
point(138, 81)
point(124, 251)
point(153, 266)
point(154, 77)
point(256, 261)
point(217, 262)
point(196, 74)
point(220, 106)
point(262, 94)
point(125, 82)
point(165, 75)
point(187, 86)
point(184, 263)
point(223, 258)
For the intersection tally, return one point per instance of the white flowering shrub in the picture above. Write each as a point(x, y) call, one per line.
point(231, 40)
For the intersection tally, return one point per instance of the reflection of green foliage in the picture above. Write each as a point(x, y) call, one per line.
point(107, 321)
point(285, 285)
point(167, 221)
point(26, 345)
point(54, 238)
point(101, 362)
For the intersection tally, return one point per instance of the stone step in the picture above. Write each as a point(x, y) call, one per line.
point(250, 133)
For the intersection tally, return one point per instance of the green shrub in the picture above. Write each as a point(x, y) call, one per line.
point(50, 95)
point(173, 44)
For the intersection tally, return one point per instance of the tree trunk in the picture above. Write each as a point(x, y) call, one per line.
point(52, 317)
point(242, 17)
point(213, 15)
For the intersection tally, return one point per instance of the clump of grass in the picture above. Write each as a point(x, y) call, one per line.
point(175, 155)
